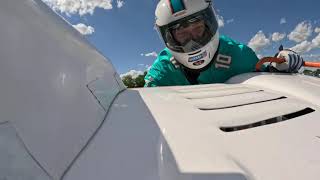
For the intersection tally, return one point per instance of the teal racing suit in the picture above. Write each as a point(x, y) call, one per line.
point(232, 58)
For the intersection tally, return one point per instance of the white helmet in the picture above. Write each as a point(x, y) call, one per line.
point(189, 29)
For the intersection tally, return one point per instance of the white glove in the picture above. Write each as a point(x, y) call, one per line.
point(293, 61)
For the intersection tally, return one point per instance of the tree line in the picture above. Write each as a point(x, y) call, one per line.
point(309, 72)
point(131, 82)
point(138, 82)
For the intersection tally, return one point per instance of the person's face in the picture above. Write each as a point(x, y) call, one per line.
point(192, 31)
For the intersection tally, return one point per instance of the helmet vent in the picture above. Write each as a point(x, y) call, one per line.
point(273, 120)
point(194, 53)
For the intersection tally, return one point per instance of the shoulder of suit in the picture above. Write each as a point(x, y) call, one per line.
point(230, 47)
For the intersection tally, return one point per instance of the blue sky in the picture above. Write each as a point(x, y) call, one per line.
point(124, 32)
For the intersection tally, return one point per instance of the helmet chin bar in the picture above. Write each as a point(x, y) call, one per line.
point(203, 68)
point(207, 53)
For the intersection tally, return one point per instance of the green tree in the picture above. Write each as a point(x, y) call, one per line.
point(317, 73)
point(137, 82)
point(128, 81)
point(308, 72)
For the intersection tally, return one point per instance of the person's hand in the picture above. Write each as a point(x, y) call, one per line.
point(293, 61)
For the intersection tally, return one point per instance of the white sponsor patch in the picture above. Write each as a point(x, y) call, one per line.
point(198, 57)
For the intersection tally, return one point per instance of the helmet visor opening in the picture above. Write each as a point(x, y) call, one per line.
point(190, 33)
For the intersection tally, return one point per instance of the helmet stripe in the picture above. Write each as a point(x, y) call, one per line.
point(177, 6)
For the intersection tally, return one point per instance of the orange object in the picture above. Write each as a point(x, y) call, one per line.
point(312, 64)
point(281, 60)
point(268, 59)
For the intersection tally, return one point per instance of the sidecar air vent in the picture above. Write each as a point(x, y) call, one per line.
point(277, 119)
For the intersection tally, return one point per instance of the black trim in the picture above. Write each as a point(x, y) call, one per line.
point(194, 53)
point(268, 121)
point(275, 99)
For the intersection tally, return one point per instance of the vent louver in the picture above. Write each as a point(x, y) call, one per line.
point(268, 121)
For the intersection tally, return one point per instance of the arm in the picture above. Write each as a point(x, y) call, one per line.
point(152, 76)
point(293, 61)
point(252, 59)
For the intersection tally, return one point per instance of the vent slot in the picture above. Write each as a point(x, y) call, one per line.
point(217, 89)
point(194, 53)
point(225, 101)
point(218, 93)
point(268, 121)
point(246, 104)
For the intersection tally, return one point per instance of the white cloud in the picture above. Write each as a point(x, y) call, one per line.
point(133, 73)
point(315, 56)
point(120, 3)
point(80, 7)
point(317, 30)
point(220, 21)
point(146, 66)
point(283, 21)
point(154, 54)
point(278, 36)
point(259, 41)
point(311, 58)
point(230, 21)
point(260, 56)
point(316, 41)
point(303, 47)
point(84, 29)
point(307, 46)
point(301, 32)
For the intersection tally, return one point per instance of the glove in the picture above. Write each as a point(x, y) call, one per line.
point(293, 61)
